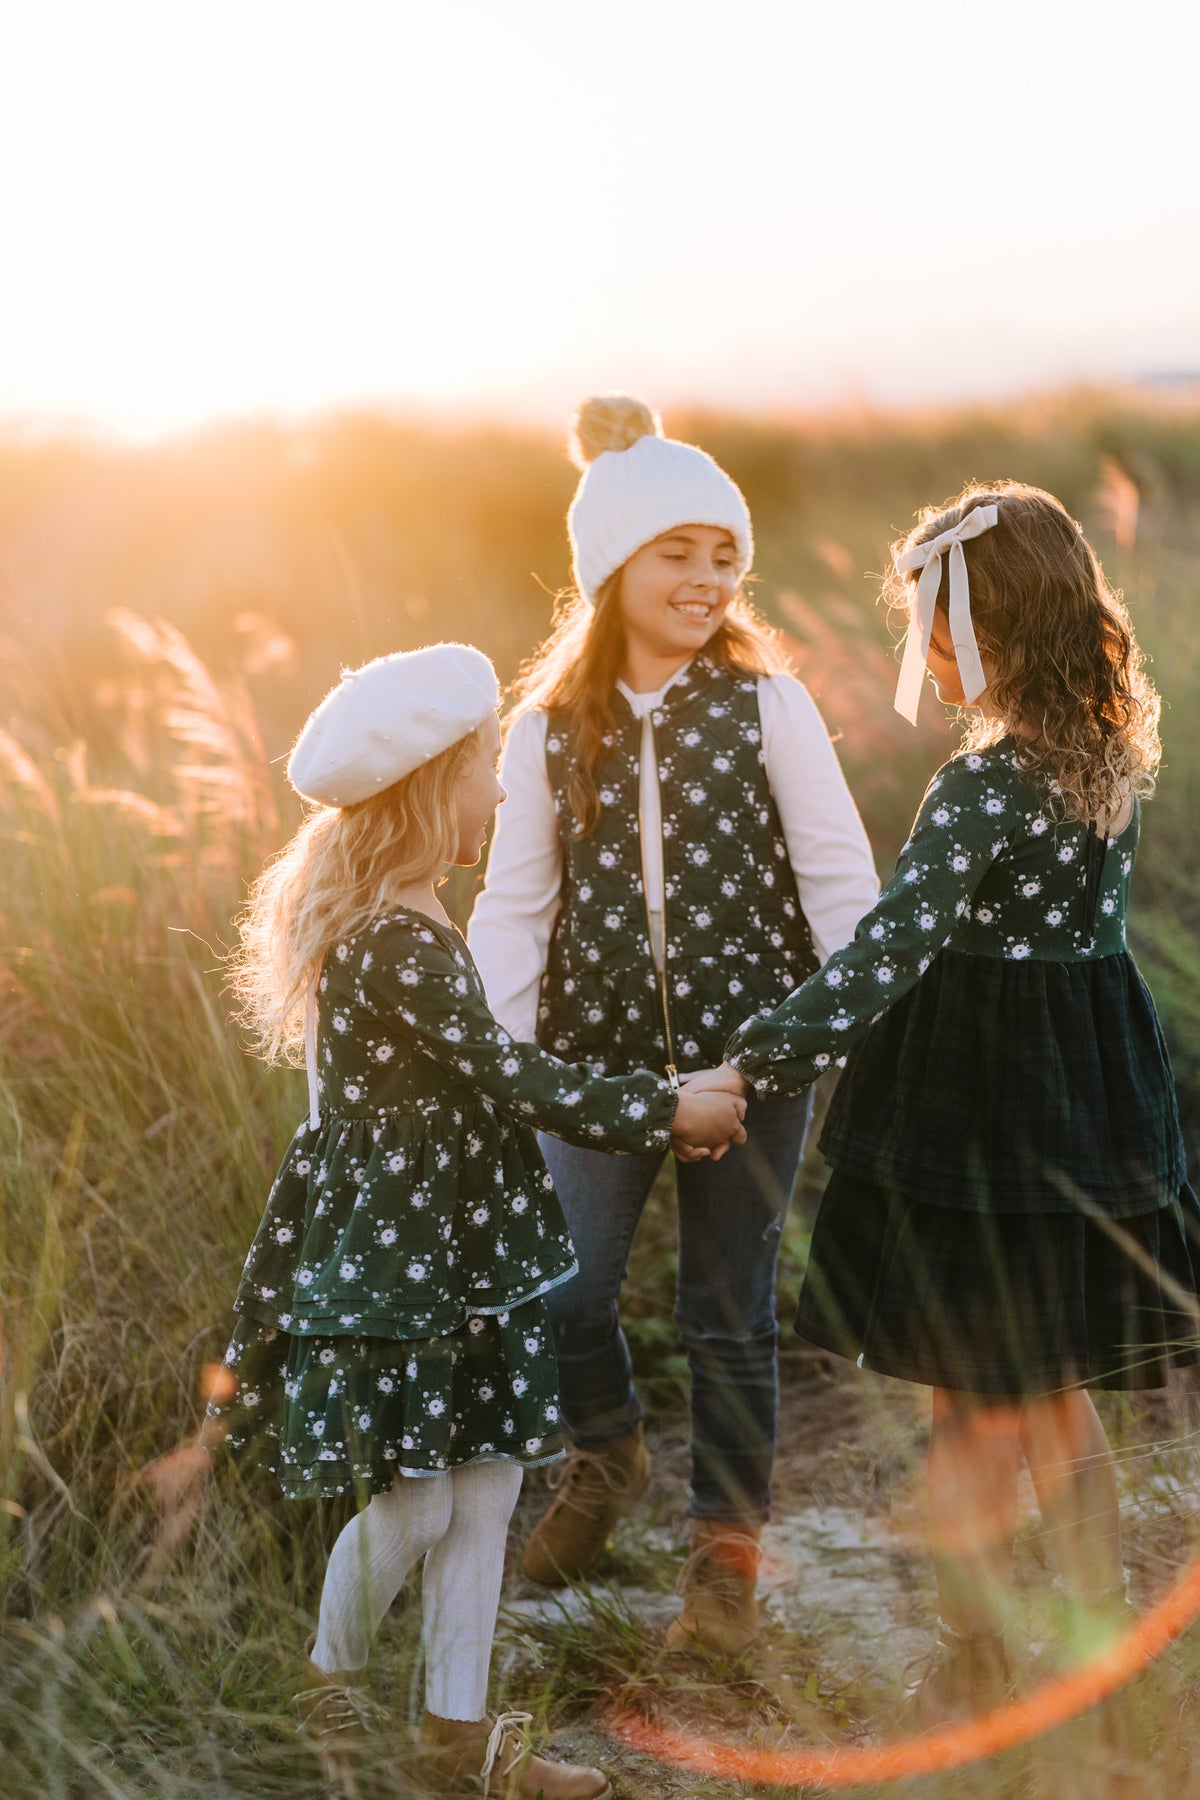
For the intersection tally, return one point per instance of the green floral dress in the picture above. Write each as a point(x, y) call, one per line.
point(391, 1311)
point(1009, 1209)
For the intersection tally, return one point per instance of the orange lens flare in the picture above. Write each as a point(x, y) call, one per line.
point(951, 1747)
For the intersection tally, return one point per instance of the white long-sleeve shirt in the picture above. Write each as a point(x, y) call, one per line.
point(827, 847)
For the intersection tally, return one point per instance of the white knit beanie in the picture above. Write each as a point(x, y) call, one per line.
point(384, 720)
point(636, 485)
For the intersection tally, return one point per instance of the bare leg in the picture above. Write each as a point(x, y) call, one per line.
point(1072, 1469)
point(974, 1449)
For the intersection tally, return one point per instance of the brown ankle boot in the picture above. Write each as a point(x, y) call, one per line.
point(339, 1717)
point(595, 1488)
point(493, 1759)
point(965, 1677)
point(720, 1611)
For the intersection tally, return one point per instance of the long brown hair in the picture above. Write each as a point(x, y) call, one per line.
point(344, 867)
point(1069, 680)
point(576, 669)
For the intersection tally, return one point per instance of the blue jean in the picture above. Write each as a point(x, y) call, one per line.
point(731, 1216)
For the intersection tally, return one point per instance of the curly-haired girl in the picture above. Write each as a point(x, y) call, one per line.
point(1009, 1218)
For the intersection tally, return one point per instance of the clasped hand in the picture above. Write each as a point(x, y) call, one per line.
point(709, 1116)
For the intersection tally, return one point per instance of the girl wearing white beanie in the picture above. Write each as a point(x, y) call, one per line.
point(392, 1339)
point(680, 849)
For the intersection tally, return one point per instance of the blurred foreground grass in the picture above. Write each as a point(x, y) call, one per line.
point(168, 617)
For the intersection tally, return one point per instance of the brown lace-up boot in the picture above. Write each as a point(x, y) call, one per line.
point(595, 1488)
point(720, 1611)
point(963, 1678)
point(340, 1719)
point(493, 1759)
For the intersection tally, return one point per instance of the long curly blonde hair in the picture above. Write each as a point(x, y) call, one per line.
point(1069, 679)
point(345, 866)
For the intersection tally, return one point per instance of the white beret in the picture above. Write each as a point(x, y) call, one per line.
point(384, 720)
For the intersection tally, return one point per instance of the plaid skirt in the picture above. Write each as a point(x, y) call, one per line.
point(1002, 1303)
point(1001, 1086)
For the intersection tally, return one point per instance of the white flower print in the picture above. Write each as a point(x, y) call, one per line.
point(885, 973)
point(533, 1344)
point(340, 1022)
point(305, 1277)
point(303, 1165)
point(911, 875)
point(941, 815)
point(417, 1271)
point(994, 805)
point(409, 977)
point(388, 1236)
point(1067, 853)
point(352, 1090)
point(327, 1355)
point(397, 1162)
point(699, 855)
point(1030, 888)
point(384, 1052)
point(1108, 905)
point(984, 915)
point(349, 1271)
point(283, 1234)
point(436, 1408)
point(834, 977)
point(973, 761)
point(519, 1203)
point(1019, 952)
point(960, 863)
point(927, 921)
point(1054, 916)
point(519, 1386)
point(317, 1428)
point(481, 1215)
point(1039, 825)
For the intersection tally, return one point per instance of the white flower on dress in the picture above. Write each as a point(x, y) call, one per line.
point(911, 875)
point(385, 1384)
point(973, 761)
point(481, 1215)
point(885, 973)
point(305, 1277)
point(533, 1344)
point(841, 1023)
point(1039, 825)
point(1067, 853)
point(284, 1234)
point(941, 815)
point(1019, 952)
point(519, 1203)
point(1108, 904)
point(349, 1271)
point(342, 952)
point(486, 1392)
point(436, 1408)
point(1030, 888)
point(834, 977)
point(1054, 916)
point(927, 921)
point(984, 914)
point(822, 1059)
point(327, 1355)
point(699, 855)
point(384, 1052)
point(995, 804)
point(388, 1236)
point(417, 1271)
point(409, 977)
point(518, 1387)
point(303, 1166)
point(340, 1022)
point(960, 863)
point(317, 1428)
point(352, 1090)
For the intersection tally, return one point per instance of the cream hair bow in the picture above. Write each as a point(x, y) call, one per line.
point(928, 558)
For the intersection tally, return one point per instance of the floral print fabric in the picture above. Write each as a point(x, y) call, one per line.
point(418, 1211)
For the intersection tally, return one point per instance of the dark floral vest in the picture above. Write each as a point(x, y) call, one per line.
point(737, 941)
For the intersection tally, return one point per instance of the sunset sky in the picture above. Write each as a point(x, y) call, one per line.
point(493, 208)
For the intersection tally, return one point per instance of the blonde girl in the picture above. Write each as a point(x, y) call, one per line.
point(679, 848)
point(1009, 1219)
point(392, 1339)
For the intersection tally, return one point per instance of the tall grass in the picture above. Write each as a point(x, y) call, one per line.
point(169, 617)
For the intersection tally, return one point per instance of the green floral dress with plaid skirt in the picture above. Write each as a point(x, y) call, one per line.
point(391, 1309)
point(1009, 1210)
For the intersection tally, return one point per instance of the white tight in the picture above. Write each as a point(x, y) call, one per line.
point(458, 1522)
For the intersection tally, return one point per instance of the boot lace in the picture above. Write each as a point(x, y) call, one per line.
point(499, 1740)
point(334, 1709)
point(587, 1478)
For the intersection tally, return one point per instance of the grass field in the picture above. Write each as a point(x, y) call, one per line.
point(168, 617)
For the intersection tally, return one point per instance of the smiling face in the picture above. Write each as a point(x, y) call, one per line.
point(478, 793)
point(676, 590)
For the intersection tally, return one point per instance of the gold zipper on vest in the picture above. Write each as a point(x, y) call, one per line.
point(672, 1072)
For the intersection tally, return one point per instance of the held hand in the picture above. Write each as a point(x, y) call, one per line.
point(706, 1122)
point(722, 1080)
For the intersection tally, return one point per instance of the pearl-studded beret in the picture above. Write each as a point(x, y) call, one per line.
point(384, 720)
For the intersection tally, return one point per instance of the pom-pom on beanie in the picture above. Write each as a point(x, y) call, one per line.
point(637, 484)
point(384, 720)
